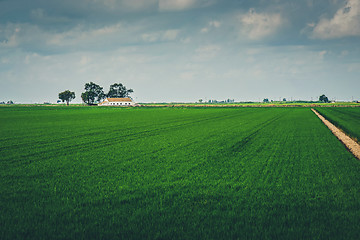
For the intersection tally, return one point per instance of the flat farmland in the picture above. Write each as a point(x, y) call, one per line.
point(174, 173)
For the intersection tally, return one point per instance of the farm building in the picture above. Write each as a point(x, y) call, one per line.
point(117, 102)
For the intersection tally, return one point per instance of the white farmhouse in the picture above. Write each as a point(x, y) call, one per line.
point(117, 102)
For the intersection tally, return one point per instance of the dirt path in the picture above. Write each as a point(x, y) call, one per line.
point(353, 146)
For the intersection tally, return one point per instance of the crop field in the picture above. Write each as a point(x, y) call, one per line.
point(174, 173)
point(348, 119)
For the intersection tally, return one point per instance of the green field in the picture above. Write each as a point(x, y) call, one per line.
point(348, 119)
point(174, 173)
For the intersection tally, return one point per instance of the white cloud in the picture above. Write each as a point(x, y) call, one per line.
point(31, 36)
point(176, 5)
point(107, 3)
point(344, 53)
point(11, 41)
point(260, 25)
point(106, 30)
point(204, 30)
point(211, 25)
point(37, 13)
point(40, 14)
point(77, 35)
point(125, 5)
point(214, 24)
point(137, 4)
point(85, 60)
point(322, 54)
point(345, 23)
point(187, 76)
point(180, 5)
point(150, 37)
point(11, 34)
point(168, 35)
point(5, 60)
point(207, 52)
point(353, 67)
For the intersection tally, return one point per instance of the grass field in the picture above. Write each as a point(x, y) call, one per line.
point(348, 119)
point(174, 173)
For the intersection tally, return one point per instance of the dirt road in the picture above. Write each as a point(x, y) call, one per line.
point(353, 146)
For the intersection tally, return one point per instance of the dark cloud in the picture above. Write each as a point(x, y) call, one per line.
point(62, 44)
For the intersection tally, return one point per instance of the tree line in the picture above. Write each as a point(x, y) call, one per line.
point(322, 98)
point(94, 93)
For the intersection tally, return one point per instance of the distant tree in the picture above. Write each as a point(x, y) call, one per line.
point(200, 100)
point(284, 99)
point(87, 98)
point(117, 90)
point(266, 100)
point(93, 93)
point(323, 98)
point(66, 96)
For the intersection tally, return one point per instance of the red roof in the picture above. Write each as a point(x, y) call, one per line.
point(119, 99)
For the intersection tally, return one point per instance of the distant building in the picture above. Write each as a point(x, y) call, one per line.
point(225, 101)
point(117, 102)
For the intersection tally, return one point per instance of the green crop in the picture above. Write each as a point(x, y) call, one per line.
point(174, 173)
point(347, 119)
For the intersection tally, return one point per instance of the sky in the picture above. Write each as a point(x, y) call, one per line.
point(181, 50)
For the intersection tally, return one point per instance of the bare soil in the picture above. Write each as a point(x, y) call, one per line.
point(353, 146)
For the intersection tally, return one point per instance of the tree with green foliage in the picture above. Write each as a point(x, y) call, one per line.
point(66, 96)
point(266, 100)
point(93, 93)
point(118, 90)
point(323, 98)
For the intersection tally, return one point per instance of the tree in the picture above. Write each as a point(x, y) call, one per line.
point(93, 93)
point(323, 98)
point(117, 90)
point(266, 100)
point(66, 96)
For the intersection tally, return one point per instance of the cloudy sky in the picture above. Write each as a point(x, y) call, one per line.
point(181, 50)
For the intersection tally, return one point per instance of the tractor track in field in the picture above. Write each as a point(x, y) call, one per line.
point(100, 143)
point(239, 146)
point(350, 144)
